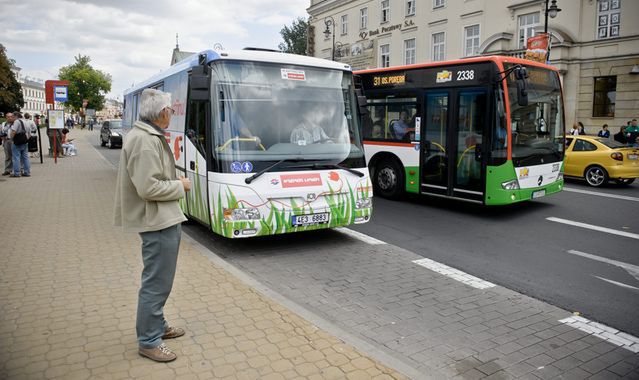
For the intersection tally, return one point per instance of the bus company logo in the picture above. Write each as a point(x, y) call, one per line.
point(301, 180)
point(444, 76)
point(275, 182)
point(523, 173)
point(540, 180)
point(293, 74)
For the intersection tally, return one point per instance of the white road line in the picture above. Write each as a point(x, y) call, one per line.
point(633, 270)
point(617, 283)
point(608, 195)
point(604, 332)
point(359, 236)
point(593, 227)
point(455, 274)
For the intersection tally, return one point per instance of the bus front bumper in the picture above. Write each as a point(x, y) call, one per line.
point(504, 197)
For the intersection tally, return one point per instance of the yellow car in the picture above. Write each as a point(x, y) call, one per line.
point(600, 159)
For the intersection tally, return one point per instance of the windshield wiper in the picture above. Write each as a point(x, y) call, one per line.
point(250, 179)
point(316, 166)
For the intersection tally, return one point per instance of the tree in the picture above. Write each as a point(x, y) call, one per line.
point(85, 82)
point(11, 98)
point(294, 37)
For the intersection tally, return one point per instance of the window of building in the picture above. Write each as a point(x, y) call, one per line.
point(439, 47)
point(439, 3)
point(385, 11)
point(344, 24)
point(608, 18)
point(384, 55)
point(410, 7)
point(363, 18)
point(409, 51)
point(471, 40)
point(527, 24)
point(604, 97)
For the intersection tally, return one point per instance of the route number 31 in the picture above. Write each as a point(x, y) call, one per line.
point(466, 75)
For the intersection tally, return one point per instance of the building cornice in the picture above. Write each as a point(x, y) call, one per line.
point(438, 22)
point(325, 6)
point(471, 14)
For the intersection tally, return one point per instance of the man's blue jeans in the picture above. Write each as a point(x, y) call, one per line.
point(20, 153)
point(159, 255)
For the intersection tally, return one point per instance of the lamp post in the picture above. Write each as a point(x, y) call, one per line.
point(552, 12)
point(330, 23)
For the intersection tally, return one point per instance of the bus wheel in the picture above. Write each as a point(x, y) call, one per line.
point(624, 181)
point(389, 179)
point(596, 176)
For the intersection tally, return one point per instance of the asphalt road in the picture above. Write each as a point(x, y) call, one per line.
point(593, 271)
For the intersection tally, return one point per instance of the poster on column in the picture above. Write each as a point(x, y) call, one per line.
point(56, 119)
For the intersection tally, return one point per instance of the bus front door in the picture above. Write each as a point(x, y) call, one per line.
point(452, 143)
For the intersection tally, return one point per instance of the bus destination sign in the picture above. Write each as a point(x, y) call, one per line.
point(389, 79)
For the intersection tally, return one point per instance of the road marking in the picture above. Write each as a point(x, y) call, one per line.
point(359, 236)
point(617, 283)
point(608, 195)
point(633, 270)
point(593, 227)
point(604, 332)
point(455, 274)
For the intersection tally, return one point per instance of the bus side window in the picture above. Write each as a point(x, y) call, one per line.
point(196, 125)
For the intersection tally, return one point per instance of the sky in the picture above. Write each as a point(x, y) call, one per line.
point(133, 39)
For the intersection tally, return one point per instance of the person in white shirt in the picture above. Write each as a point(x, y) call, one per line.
point(20, 155)
point(6, 143)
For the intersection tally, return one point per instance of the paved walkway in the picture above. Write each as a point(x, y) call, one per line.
point(68, 291)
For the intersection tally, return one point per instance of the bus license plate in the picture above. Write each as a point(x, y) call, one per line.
point(306, 220)
point(632, 156)
point(538, 193)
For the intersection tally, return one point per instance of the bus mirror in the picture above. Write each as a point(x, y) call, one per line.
point(522, 92)
point(200, 83)
point(361, 102)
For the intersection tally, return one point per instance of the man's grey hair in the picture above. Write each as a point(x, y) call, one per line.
point(152, 102)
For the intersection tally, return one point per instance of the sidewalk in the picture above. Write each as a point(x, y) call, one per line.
point(68, 294)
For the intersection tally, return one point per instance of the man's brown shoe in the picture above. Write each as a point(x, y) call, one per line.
point(160, 353)
point(172, 332)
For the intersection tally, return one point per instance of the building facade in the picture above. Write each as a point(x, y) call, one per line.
point(595, 43)
point(33, 94)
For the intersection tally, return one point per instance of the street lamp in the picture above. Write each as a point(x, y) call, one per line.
point(552, 13)
point(330, 23)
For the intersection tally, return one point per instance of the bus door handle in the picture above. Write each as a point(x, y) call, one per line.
point(192, 165)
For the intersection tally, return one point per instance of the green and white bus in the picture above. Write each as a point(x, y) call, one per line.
point(488, 130)
point(269, 140)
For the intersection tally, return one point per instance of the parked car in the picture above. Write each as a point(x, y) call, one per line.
point(111, 133)
point(599, 160)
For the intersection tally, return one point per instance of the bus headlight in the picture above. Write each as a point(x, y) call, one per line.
point(510, 185)
point(242, 214)
point(363, 203)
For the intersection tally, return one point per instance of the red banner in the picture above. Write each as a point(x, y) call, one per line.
point(537, 47)
point(301, 180)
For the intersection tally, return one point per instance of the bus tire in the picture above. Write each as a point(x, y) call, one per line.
point(596, 176)
point(388, 179)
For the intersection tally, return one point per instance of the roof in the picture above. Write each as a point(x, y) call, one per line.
point(489, 58)
point(240, 55)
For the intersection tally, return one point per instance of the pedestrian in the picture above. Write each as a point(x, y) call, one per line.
point(20, 134)
point(605, 133)
point(69, 122)
point(632, 132)
point(580, 129)
point(146, 202)
point(33, 140)
point(621, 135)
point(7, 143)
point(575, 129)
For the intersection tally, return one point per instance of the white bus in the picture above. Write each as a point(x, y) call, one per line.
point(269, 140)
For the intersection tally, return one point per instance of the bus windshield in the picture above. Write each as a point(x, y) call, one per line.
point(267, 112)
point(537, 129)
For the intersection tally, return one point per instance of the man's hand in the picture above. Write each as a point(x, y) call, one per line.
point(186, 183)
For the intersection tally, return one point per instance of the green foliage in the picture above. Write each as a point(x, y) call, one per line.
point(85, 82)
point(11, 98)
point(294, 37)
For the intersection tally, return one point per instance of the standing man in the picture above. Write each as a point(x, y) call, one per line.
point(146, 201)
point(19, 147)
point(7, 144)
point(605, 133)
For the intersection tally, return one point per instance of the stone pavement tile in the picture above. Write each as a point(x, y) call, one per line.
point(69, 294)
